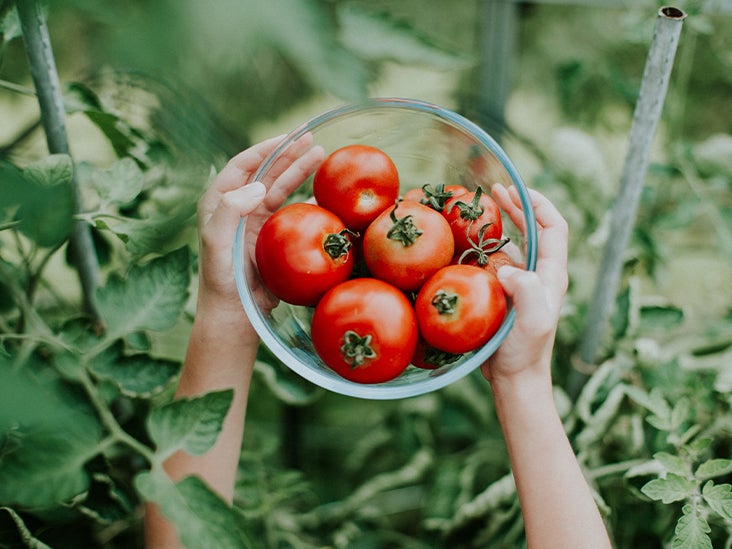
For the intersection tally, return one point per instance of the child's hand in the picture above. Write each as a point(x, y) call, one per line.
point(537, 296)
point(227, 200)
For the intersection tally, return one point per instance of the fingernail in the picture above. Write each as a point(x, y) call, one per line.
point(504, 272)
point(255, 189)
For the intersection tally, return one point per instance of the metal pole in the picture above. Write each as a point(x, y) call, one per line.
point(645, 120)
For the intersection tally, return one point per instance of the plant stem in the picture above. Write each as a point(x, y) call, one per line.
point(654, 85)
point(48, 89)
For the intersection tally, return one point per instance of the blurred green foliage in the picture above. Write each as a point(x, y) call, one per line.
point(169, 89)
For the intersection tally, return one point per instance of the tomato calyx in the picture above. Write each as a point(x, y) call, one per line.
point(356, 349)
point(444, 302)
point(436, 197)
point(404, 230)
point(338, 244)
point(484, 247)
point(439, 358)
point(470, 211)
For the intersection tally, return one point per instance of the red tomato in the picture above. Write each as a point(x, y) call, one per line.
point(429, 358)
point(434, 197)
point(487, 255)
point(471, 213)
point(406, 244)
point(460, 308)
point(365, 330)
point(357, 183)
point(302, 251)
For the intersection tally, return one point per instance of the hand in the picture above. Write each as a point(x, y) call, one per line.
point(537, 295)
point(228, 199)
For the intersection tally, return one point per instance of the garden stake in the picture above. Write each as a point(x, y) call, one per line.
point(645, 119)
point(50, 100)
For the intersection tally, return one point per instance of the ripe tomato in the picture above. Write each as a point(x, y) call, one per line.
point(471, 213)
point(434, 197)
point(365, 329)
point(486, 253)
point(460, 308)
point(357, 183)
point(406, 244)
point(302, 251)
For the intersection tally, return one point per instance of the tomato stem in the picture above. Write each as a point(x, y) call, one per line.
point(338, 244)
point(470, 211)
point(444, 302)
point(356, 349)
point(484, 247)
point(438, 358)
point(437, 198)
point(404, 229)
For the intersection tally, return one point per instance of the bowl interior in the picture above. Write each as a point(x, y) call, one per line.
point(429, 145)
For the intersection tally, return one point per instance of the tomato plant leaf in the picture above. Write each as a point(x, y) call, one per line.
point(201, 518)
point(47, 434)
point(143, 236)
point(138, 375)
point(713, 468)
point(719, 498)
point(40, 197)
point(692, 530)
point(150, 297)
point(669, 489)
point(673, 464)
point(24, 534)
point(120, 183)
point(189, 424)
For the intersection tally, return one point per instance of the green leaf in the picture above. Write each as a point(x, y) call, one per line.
point(25, 535)
point(138, 375)
point(201, 518)
point(377, 36)
point(713, 468)
point(9, 23)
point(151, 297)
point(719, 498)
point(669, 489)
point(692, 530)
point(49, 435)
point(189, 424)
point(149, 235)
point(119, 184)
point(657, 317)
point(42, 198)
point(673, 464)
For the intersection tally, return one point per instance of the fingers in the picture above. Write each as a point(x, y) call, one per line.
point(293, 176)
point(535, 312)
point(233, 205)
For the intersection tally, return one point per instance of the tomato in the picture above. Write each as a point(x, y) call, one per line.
point(365, 330)
point(301, 252)
point(486, 254)
point(471, 213)
point(429, 358)
point(357, 183)
point(406, 244)
point(434, 197)
point(460, 308)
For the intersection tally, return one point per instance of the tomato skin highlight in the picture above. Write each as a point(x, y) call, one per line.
point(403, 264)
point(357, 183)
point(371, 309)
point(477, 308)
point(290, 254)
point(468, 213)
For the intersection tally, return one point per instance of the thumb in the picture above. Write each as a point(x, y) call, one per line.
point(236, 204)
point(522, 286)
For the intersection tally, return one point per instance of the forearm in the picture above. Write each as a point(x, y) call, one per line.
point(557, 504)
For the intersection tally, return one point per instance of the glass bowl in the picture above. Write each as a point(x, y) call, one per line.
point(428, 144)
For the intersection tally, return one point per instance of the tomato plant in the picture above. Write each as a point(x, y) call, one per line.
point(406, 244)
point(302, 251)
point(435, 197)
point(468, 214)
point(357, 183)
point(365, 330)
point(460, 308)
